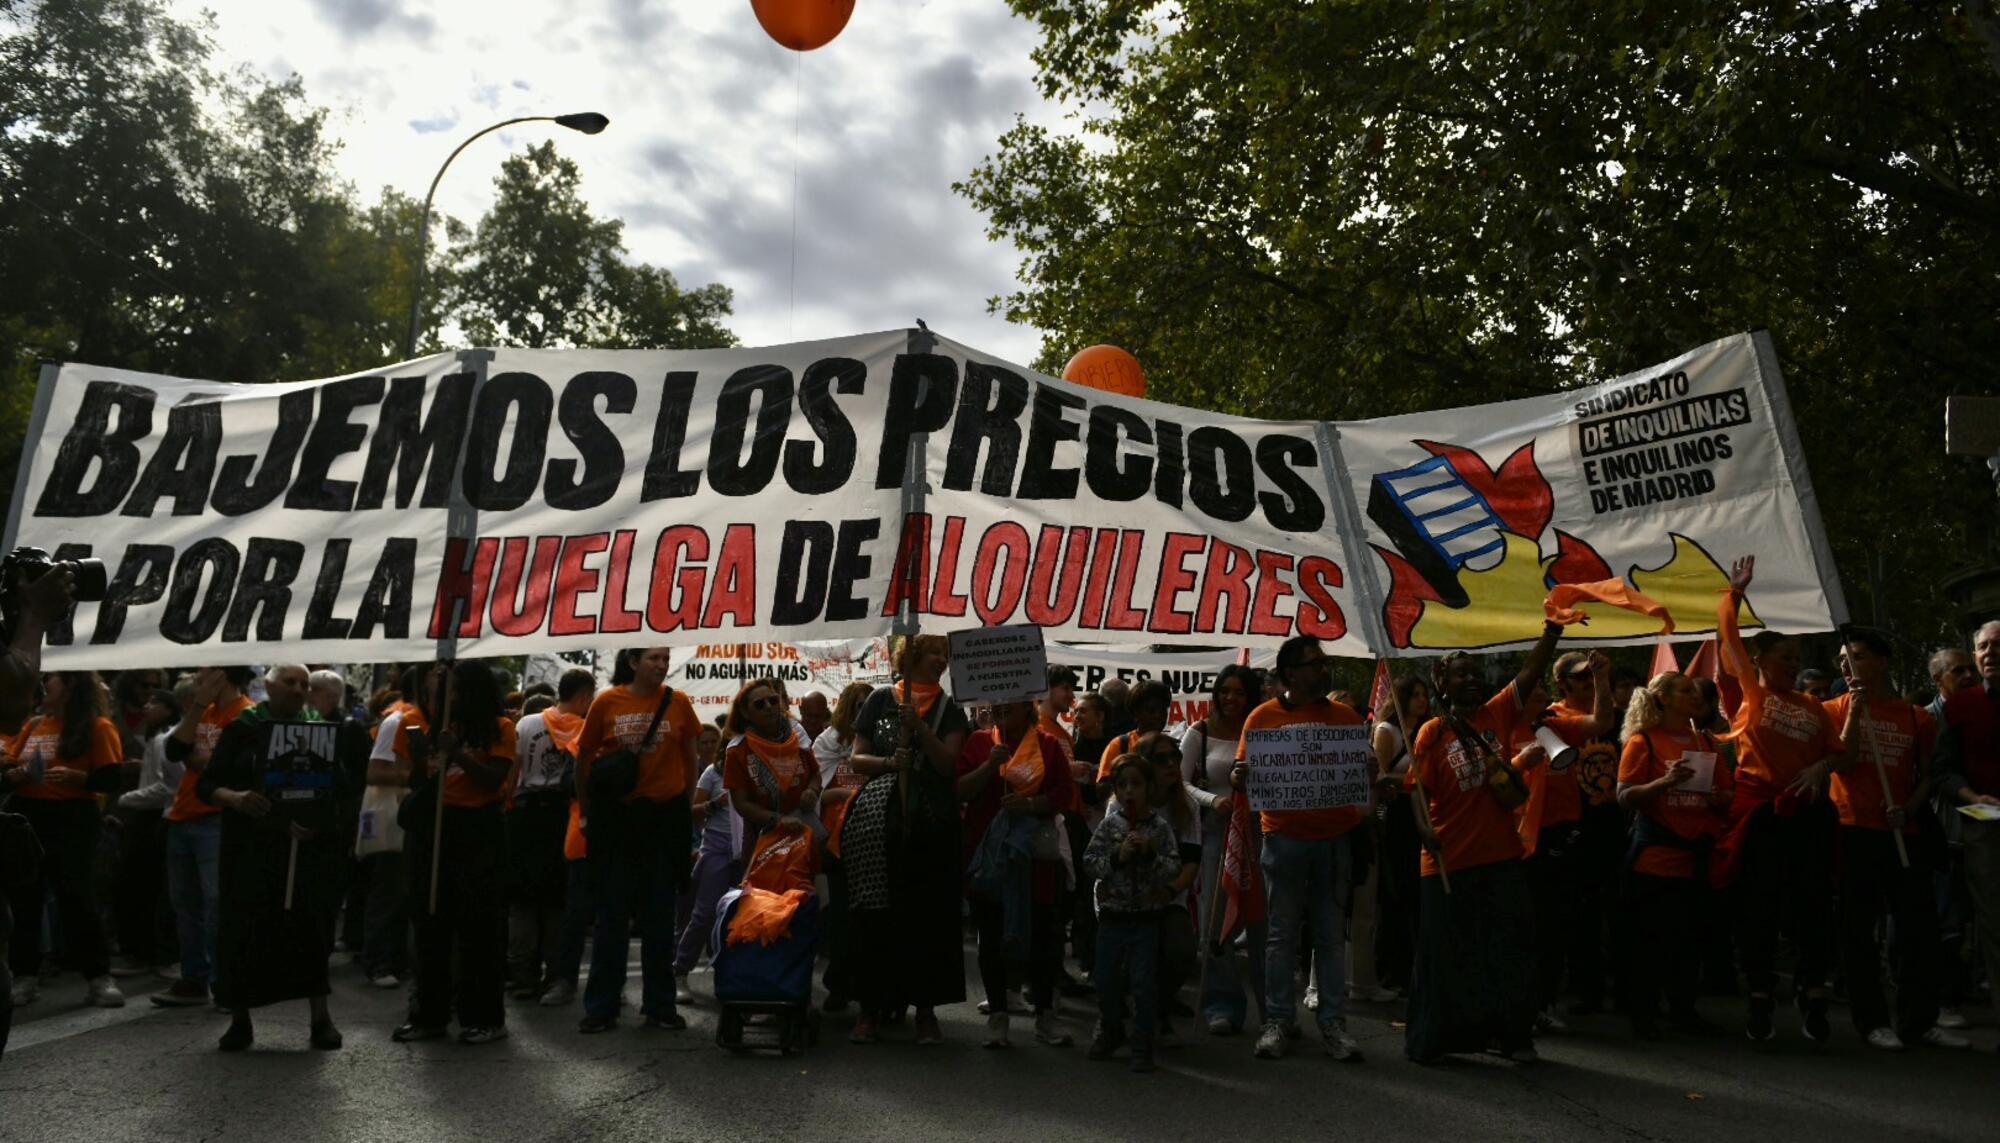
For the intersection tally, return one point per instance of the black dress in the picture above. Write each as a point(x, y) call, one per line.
point(904, 873)
point(266, 953)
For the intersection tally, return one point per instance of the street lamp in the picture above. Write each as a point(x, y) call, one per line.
point(588, 122)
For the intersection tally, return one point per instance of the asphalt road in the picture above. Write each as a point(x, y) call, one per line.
point(143, 1073)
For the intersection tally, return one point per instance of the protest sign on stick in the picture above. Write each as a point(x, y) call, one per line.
point(1307, 766)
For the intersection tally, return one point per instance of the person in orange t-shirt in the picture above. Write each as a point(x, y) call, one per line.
point(1307, 862)
point(640, 848)
point(1783, 829)
point(1676, 823)
point(56, 767)
point(1888, 742)
point(194, 831)
point(461, 945)
point(1474, 980)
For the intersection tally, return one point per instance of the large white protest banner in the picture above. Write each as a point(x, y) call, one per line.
point(1464, 518)
point(499, 502)
point(506, 502)
point(1307, 766)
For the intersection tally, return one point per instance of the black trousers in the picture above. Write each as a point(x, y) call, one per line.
point(139, 901)
point(1874, 884)
point(68, 831)
point(469, 927)
point(1044, 953)
point(1552, 880)
point(1787, 880)
point(1664, 955)
point(1600, 854)
point(1396, 897)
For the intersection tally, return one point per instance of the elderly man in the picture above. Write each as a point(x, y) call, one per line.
point(1968, 774)
point(275, 773)
point(815, 715)
point(1951, 672)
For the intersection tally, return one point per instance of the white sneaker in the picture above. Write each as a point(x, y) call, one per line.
point(1549, 1020)
point(1271, 1042)
point(104, 993)
point(1311, 1001)
point(1886, 1039)
point(996, 1031)
point(1937, 1037)
point(1952, 1018)
point(26, 991)
point(682, 993)
point(559, 994)
point(385, 980)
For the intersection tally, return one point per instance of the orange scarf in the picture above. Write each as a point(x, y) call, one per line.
point(927, 695)
point(783, 759)
point(564, 729)
point(1023, 771)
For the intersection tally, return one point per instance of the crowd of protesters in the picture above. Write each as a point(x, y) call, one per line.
point(1576, 838)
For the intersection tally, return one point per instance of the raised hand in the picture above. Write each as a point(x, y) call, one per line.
point(1740, 573)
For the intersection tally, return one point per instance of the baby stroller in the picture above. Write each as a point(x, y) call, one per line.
point(766, 990)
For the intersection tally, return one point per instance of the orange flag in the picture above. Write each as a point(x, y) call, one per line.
point(1561, 607)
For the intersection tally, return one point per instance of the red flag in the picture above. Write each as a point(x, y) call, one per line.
point(1663, 659)
point(1707, 664)
point(1379, 698)
point(1242, 889)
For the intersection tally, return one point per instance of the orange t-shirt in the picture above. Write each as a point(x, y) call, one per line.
point(1902, 735)
point(187, 805)
point(618, 720)
point(1053, 727)
point(1777, 733)
point(1474, 827)
point(459, 788)
point(1645, 758)
point(1305, 825)
point(1124, 744)
point(792, 765)
point(43, 736)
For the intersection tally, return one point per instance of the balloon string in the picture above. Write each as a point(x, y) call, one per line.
point(792, 306)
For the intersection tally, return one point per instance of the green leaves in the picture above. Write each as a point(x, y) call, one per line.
point(1360, 207)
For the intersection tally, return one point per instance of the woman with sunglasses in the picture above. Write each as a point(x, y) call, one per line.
point(768, 773)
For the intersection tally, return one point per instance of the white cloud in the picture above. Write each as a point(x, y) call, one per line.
point(698, 160)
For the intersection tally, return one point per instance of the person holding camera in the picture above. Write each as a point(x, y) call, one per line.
point(30, 603)
point(55, 768)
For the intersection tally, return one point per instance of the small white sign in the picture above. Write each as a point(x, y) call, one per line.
point(1702, 762)
point(999, 664)
point(1307, 766)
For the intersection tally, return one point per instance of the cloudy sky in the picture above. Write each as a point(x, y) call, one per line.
point(698, 160)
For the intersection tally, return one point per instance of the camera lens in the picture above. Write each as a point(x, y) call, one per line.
point(92, 581)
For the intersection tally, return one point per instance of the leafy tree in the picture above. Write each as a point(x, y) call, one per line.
point(542, 271)
point(1353, 208)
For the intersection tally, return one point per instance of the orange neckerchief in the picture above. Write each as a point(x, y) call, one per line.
point(927, 695)
point(564, 729)
point(1023, 771)
point(782, 757)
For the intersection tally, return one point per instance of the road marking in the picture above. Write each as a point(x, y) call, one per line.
point(75, 1023)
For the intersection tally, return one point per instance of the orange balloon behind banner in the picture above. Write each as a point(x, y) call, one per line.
point(1109, 368)
point(803, 25)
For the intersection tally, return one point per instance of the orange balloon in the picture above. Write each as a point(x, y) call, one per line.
point(1109, 368)
point(803, 25)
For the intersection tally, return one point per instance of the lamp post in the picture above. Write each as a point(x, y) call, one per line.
point(588, 122)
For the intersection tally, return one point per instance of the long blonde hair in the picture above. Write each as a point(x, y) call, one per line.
point(1648, 707)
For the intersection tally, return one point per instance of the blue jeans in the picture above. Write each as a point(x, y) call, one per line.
point(1308, 883)
point(1128, 956)
point(620, 883)
point(579, 913)
point(1222, 981)
point(194, 869)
